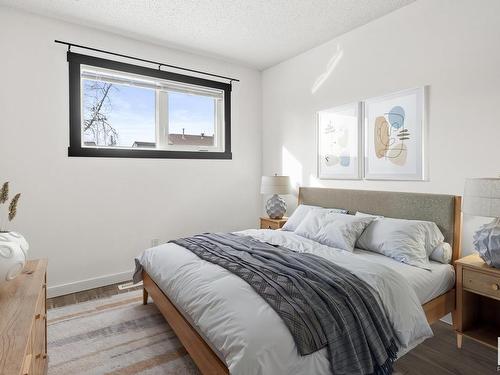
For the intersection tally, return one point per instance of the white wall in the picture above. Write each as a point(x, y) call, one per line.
point(91, 216)
point(451, 45)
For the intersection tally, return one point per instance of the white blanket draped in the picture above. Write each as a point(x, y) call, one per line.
point(245, 331)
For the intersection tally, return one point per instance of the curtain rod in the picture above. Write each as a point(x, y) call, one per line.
point(144, 60)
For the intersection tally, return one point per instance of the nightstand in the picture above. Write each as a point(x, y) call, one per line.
point(268, 223)
point(477, 314)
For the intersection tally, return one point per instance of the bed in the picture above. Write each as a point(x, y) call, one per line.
point(179, 296)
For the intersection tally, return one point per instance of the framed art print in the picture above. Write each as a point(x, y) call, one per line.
point(394, 136)
point(339, 142)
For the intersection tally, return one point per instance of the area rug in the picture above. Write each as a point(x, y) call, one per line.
point(114, 335)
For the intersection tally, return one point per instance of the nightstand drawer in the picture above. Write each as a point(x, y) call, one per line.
point(481, 283)
point(268, 223)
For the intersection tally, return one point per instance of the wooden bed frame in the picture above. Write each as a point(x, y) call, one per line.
point(209, 362)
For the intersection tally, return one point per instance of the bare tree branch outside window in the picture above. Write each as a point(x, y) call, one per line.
point(98, 106)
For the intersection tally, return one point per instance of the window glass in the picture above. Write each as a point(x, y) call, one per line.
point(191, 119)
point(116, 115)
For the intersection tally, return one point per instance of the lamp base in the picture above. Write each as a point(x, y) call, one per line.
point(487, 243)
point(276, 207)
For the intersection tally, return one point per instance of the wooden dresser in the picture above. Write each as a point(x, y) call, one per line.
point(23, 322)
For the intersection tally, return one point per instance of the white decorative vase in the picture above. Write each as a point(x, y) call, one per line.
point(276, 207)
point(487, 242)
point(13, 255)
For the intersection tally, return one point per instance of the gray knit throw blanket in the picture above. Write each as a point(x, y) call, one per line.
point(322, 304)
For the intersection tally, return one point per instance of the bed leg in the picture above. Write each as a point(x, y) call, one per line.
point(144, 296)
point(459, 340)
point(454, 319)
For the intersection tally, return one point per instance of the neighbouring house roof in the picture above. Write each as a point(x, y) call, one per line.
point(173, 139)
point(190, 139)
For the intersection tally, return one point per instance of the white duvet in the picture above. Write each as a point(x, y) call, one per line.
point(245, 331)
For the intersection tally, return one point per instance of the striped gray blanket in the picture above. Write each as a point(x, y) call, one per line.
point(322, 304)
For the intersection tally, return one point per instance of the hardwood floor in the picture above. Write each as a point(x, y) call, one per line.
point(436, 356)
point(440, 356)
point(87, 295)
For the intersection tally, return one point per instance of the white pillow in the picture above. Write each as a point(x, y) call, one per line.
point(333, 229)
point(300, 213)
point(442, 253)
point(433, 236)
point(403, 240)
point(362, 214)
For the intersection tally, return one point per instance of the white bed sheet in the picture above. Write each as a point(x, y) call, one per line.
point(245, 331)
point(427, 284)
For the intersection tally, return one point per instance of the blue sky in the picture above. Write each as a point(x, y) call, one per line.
point(192, 112)
point(132, 113)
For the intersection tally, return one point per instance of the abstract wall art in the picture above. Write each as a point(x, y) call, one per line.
point(394, 136)
point(339, 142)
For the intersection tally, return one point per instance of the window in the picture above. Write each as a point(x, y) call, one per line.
point(124, 110)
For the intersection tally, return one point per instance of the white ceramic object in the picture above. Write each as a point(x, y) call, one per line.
point(276, 207)
point(13, 255)
point(487, 242)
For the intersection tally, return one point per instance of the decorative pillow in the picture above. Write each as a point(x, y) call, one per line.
point(336, 210)
point(442, 253)
point(300, 213)
point(403, 240)
point(333, 229)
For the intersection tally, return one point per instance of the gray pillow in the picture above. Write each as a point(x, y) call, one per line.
point(407, 241)
point(300, 213)
point(333, 229)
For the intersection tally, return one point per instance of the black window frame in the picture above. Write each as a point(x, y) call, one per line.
point(75, 148)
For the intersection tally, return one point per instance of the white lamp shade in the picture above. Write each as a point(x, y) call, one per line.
point(275, 185)
point(482, 197)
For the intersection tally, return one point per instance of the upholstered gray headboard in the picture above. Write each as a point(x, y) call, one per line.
point(442, 209)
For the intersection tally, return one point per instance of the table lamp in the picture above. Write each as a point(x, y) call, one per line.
point(275, 206)
point(482, 198)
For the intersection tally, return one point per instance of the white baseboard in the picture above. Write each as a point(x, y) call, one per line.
point(78, 286)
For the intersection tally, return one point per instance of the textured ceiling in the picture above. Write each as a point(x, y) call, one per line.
point(258, 33)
